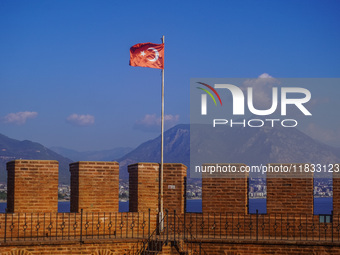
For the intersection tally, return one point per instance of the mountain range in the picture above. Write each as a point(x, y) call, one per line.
point(237, 145)
point(256, 146)
point(251, 146)
point(11, 149)
point(176, 150)
point(104, 155)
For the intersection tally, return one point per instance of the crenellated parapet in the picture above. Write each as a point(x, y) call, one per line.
point(33, 187)
point(94, 186)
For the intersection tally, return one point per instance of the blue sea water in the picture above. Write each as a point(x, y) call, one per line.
point(323, 205)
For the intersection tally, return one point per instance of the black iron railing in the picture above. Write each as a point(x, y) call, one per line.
point(184, 239)
point(183, 230)
point(74, 226)
point(284, 226)
point(158, 237)
point(170, 230)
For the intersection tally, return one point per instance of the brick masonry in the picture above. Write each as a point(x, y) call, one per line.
point(268, 247)
point(32, 186)
point(144, 185)
point(225, 192)
point(213, 247)
point(92, 248)
point(290, 193)
point(174, 187)
point(336, 193)
point(94, 186)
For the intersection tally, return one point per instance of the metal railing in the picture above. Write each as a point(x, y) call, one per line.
point(74, 226)
point(174, 232)
point(158, 237)
point(276, 226)
point(182, 229)
point(184, 239)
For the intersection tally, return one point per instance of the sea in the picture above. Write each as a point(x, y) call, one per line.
point(322, 205)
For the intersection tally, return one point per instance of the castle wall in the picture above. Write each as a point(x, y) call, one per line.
point(336, 193)
point(290, 193)
point(32, 186)
point(94, 186)
point(144, 187)
point(225, 192)
point(33, 225)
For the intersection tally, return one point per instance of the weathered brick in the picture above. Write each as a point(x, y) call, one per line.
point(144, 187)
point(225, 192)
point(94, 189)
point(30, 188)
point(290, 193)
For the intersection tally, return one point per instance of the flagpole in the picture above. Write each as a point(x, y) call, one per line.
point(162, 149)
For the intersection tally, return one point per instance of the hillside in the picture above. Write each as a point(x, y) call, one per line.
point(239, 145)
point(176, 149)
point(11, 149)
point(102, 155)
point(252, 146)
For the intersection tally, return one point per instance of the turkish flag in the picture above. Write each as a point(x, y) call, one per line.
point(147, 55)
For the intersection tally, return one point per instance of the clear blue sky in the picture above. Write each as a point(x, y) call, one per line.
point(64, 73)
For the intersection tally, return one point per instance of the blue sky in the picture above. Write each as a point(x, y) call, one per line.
point(64, 73)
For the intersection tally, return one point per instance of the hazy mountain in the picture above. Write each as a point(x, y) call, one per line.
point(233, 145)
point(104, 155)
point(225, 145)
point(261, 146)
point(11, 149)
point(176, 149)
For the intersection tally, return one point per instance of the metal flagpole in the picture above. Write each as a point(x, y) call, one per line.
point(162, 152)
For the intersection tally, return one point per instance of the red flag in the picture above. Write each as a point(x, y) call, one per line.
point(147, 55)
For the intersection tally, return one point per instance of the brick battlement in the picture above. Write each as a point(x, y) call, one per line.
point(144, 187)
point(32, 186)
point(94, 186)
point(220, 194)
point(100, 229)
point(290, 194)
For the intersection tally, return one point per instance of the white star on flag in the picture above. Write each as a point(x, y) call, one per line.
point(142, 53)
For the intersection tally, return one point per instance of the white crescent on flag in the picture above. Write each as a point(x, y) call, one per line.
point(156, 54)
point(147, 55)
